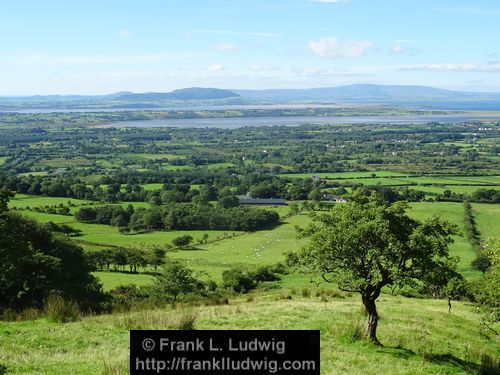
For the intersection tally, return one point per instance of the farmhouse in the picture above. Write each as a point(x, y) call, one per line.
point(246, 200)
point(334, 198)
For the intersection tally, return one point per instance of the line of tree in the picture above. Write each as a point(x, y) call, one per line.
point(180, 217)
point(482, 195)
point(118, 259)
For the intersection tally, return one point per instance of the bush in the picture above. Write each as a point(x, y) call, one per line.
point(263, 274)
point(61, 311)
point(3, 369)
point(237, 280)
point(241, 281)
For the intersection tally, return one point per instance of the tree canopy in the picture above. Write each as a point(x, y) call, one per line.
point(368, 243)
point(36, 263)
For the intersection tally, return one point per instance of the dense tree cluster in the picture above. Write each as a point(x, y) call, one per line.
point(181, 216)
point(37, 263)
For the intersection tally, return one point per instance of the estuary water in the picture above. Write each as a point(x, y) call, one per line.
point(238, 122)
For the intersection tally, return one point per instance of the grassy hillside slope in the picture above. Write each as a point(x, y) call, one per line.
point(419, 336)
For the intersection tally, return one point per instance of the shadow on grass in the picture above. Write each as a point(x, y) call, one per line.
point(451, 360)
point(441, 359)
point(191, 248)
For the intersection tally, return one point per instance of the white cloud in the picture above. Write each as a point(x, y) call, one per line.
point(124, 34)
point(493, 67)
point(223, 46)
point(333, 48)
point(262, 68)
point(215, 68)
point(404, 51)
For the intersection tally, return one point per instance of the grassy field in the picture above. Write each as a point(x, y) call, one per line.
point(111, 280)
point(468, 189)
point(419, 336)
point(232, 248)
point(24, 201)
point(453, 212)
point(258, 248)
point(487, 219)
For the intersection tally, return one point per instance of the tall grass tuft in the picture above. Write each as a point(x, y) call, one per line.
point(181, 319)
point(355, 330)
point(187, 320)
point(58, 310)
point(489, 365)
point(115, 368)
point(3, 369)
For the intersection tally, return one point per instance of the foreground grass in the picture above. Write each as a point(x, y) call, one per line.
point(420, 337)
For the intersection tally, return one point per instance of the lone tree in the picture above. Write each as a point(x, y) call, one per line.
point(175, 279)
point(368, 243)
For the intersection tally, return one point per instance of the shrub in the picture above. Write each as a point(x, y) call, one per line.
point(3, 369)
point(237, 280)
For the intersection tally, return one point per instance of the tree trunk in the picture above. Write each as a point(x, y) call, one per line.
point(371, 309)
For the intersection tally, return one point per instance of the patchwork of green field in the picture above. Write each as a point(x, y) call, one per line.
point(63, 162)
point(419, 336)
point(232, 248)
point(426, 184)
point(453, 212)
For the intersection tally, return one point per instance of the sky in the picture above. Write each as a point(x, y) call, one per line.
point(105, 46)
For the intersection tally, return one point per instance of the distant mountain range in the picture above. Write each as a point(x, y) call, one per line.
point(356, 94)
point(378, 94)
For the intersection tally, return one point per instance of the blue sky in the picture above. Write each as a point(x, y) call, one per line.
point(98, 47)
